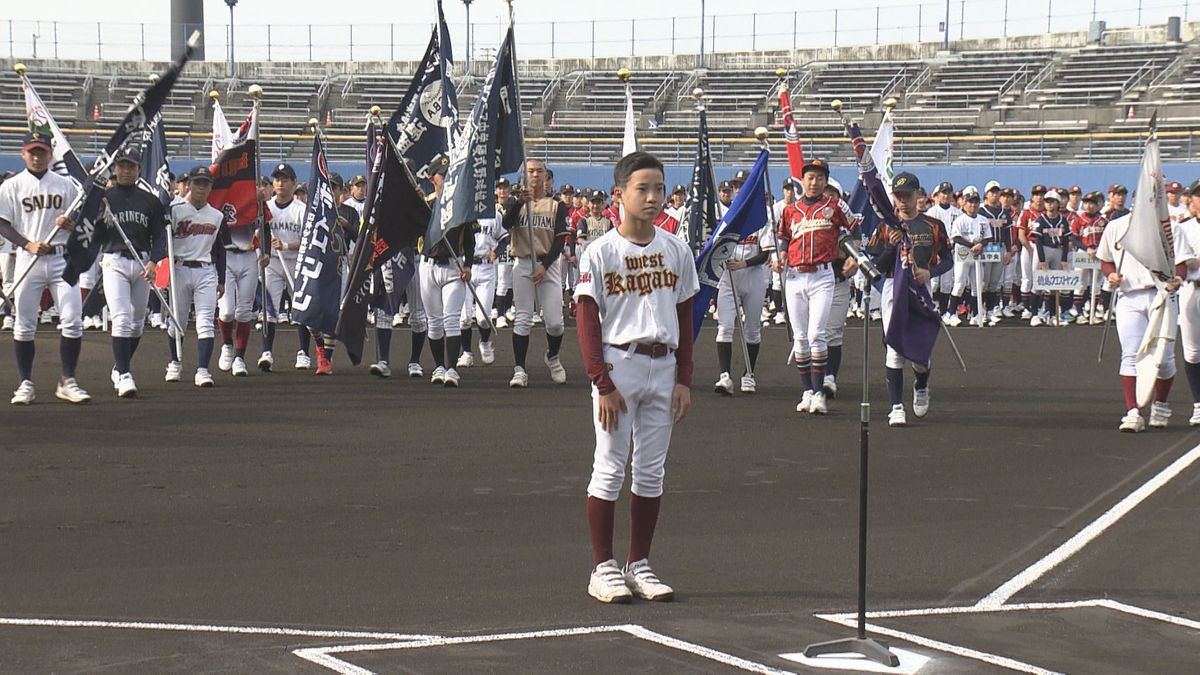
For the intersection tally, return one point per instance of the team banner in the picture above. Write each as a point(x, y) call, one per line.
point(791, 137)
point(83, 243)
point(222, 135)
point(317, 284)
point(702, 200)
point(156, 169)
point(235, 184)
point(66, 162)
point(395, 216)
point(490, 144)
point(423, 127)
point(746, 215)
point(1147, 238)
point(629, 139)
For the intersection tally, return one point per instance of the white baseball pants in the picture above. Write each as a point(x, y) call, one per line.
point(280, 275)
point(751, 286)
point(241, 282)
point(1133, 317)
point(809, 301)
point(126, 292)
point(835, 324)
point(442, 296)
point(647, 385)
point(1189, 321)
point(548, 293)
point(47, 273)
point(194, 287)
point(483, 276)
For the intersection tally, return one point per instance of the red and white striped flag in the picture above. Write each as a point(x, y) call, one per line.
point(795, 153)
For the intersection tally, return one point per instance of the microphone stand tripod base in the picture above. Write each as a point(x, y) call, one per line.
point(870, 648)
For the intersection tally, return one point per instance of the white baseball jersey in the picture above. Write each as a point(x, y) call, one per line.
point(1187, 245)
point(488, 237)
point(359, 206)
point(1134, 275)
point(973, 230)
point(287, 222)
point(946, 215)
point(194, 231)
point(637, 287)
point(1178, 213)
point(753, 244)
point(32, 204)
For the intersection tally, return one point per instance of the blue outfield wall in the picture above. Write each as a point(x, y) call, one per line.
point(1088, 176)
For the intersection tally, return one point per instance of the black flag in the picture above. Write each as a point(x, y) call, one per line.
point(317, 284)
point(702, 202)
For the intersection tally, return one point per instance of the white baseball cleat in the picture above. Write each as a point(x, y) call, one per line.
point(645, 584)
point(724, 385)
point(817, 405)
point(954, 321)
point(156, 320)
point(897, 418)
point(415, 370)
point(749, 385)
point(994, 319)
point(126, 387)
point(501, 322)
point(607, 583)
point(439, 375)
point(24, 394)
point(303, 362)
point(8, 323)
point(115, 377)
point(381, 369)
point(71, 392)
point(451, 378)
point(1007, 312)
point(557, 372)
point(1195, 420)
point(1036, 321)
point(977, 321)
point(227, 356)
point(520, 378)
point(203, 378)
point(921, 401)
point(1160, 414)
point(805, 402)
point(1133, 421)
point(239, 367)
point(1026, 314)
point(829, 386)
point(780, 319)
point(174, 372)
point(266, 362)
point(1081, 319)
point(465, 360)
point(487, 353)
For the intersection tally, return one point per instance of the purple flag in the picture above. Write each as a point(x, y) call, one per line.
point(914, 324)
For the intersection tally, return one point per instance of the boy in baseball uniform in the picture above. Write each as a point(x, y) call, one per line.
point(32, 204)
point(634, 297)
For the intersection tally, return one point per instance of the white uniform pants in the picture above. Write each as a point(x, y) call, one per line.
point(751, 286)
point(809, 301)
point(942, 283)
point(279, 281)
point(8, 272)
point(835, 325)
point(194, 287)
point(1189, 321)
point(646, 384)
point(418, 320)
point(1133, 317)
point(47, 273)
point(548, 293)
point(483, 276)
point(1012, 272)
point(893, 358)
point(442, 295)
point(503, 276)
point(89, 278)
point(1028, 258)
point(126, 292)
point(241, 282)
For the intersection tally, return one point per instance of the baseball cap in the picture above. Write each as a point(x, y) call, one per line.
point(1053, 195)
point(1007, 192)
point(971, 193)
point(36, 139)
point(358, 179)
point(302, 188)
point(789, 184)
point(1038, 189)
point(443, 165)
point(1118, 188)
point(835, 185)
point(598, 198)
point(905, 182)
point(200, 173)
point(725, 185)
point(1094, 196)
point(679, 189)
point(501, 182)
point(991, 185)
point(336, 180)
point(1194, 189)
point(815, 165)
point(1174, 186)
point(1075, 190)
point(128, 154)
point(183, 177)
point(284, 170)
point(740, 177)
point(567, 189)
point(944, 186)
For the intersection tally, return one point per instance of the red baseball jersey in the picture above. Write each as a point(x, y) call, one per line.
point(1025, 222)
point(666, 222)
point(810, 232)
point(1089, 229)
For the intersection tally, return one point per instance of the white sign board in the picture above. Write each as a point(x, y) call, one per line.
point(1056, 280)
point(1080, 260)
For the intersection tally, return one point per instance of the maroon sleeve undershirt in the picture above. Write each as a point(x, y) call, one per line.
point(683, 355)
point(591, 343)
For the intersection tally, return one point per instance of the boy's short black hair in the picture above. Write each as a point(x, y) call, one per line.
point(634, 161)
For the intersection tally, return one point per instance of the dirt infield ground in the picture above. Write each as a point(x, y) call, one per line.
point(286, 522)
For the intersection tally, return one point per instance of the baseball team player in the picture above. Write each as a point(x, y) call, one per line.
point(809, 233)
point(199, 274)
point(999, 220)
point(844, 269)
point(946, 211)
point(1187, 255)
point(483, 277)
point(128, 273)
point(33, 207)
point(635, 292)
point(536, 218)
point(1086, 228)
point(443, 288)
point(1050, 235)
point(922, 239)
point(503, 301)
point(244, 255)
point(743, 286)
point(1136, 290)
point(287, 222)
point(970, 232)
point(1028, 253)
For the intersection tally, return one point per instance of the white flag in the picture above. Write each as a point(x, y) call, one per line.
point(222, 137)
point(1148, 235)
point(66, 162)
point(881, 151)
point(630, 142)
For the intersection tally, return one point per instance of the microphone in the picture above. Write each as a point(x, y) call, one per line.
point(850, 247)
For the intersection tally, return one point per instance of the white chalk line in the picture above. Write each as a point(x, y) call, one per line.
point(323, 655)
point(1085, 536)
point(205, 628)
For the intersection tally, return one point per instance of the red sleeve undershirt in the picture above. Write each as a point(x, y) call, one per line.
point(591, 344)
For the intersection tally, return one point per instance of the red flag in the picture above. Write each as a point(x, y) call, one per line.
point(235, 184)
point(162, 273)
point(794, 152)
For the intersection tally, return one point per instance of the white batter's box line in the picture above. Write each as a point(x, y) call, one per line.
point(206, 628)
point(323, 656)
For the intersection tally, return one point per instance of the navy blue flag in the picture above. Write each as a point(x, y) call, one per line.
point(746, 215)
point(83, 245)
point(702, 201)
point(860, 203)
point(318, 285)
point(424, 125)
point(914, 324)
point(156, 170)
point(491, 144)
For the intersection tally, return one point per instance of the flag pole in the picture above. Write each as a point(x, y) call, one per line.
point(255, 92)
point(524, 184)
point(764, 142)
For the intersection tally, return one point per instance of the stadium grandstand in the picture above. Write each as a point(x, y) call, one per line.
point(1074, 98)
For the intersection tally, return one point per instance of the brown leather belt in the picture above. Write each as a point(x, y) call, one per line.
point(811, 268)
point(654, 351)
